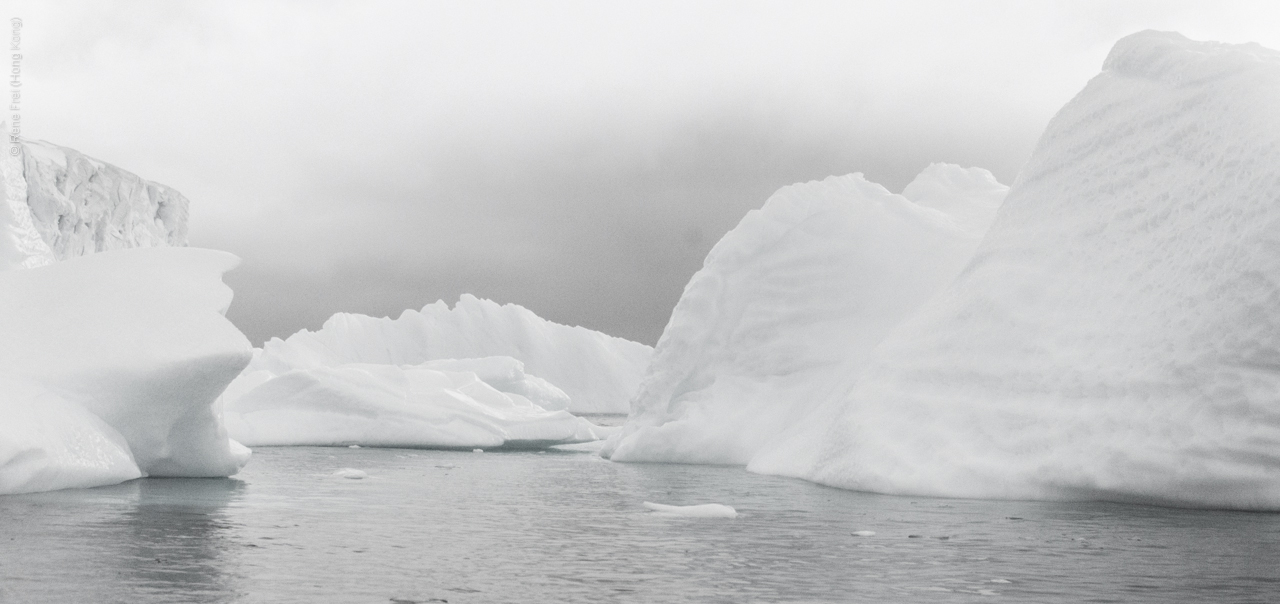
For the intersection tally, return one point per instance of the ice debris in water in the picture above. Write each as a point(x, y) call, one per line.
point(706, 510)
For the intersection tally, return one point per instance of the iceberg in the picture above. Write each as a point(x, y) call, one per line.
point(110, 367)
point(801, 290)
point(81, 205)
point(440, 404)
point(1116, 335)
point(60, 203)
point(597, 373)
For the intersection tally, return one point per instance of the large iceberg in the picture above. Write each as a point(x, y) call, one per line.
point(1117, 333)
point(598, 372)
point(110, 367)
point(801, 290)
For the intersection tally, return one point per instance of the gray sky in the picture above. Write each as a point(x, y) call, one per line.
point(577, 158)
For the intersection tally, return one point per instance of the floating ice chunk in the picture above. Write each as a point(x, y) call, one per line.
point(117, 359)
point(351, 473)
point(598, 373)
point(1116, 335)
point(800, 291)
point(706, 510)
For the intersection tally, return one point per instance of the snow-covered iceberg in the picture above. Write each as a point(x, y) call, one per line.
point(800, 291)
point(1117, 333)
point(598, 372)
point(434, 404)
point(60, 204)
point(109, 368)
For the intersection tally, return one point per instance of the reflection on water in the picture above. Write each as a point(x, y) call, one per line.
point(569, 527)
point(145, 540)
point(175, 537)
point(138, 541)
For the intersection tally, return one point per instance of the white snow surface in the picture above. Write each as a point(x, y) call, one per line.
point(394, 406)
point(1117, 334)
point(597, 372)
point(109, 368)
point(800, 291)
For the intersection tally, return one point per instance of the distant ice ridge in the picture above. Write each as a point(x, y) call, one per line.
point(60, 204)
point(800, 292)
point(597, 372)
point(109, 368)
point(1117, 334)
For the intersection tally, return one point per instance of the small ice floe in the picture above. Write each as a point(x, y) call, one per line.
point(477, 450)
point(353, 446)
point(863, 533)
point(351, 473)
point(706, 510)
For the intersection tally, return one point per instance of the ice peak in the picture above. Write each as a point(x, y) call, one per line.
point(1167, 55)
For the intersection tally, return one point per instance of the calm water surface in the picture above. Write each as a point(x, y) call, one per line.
point(468, 527)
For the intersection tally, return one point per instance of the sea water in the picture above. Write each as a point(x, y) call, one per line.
point(566, 526)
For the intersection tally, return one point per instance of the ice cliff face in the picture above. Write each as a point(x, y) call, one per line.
point(1117, 334)
point(801, 290)
point(60, 204)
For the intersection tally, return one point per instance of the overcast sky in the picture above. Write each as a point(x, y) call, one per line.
point(577, 158)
